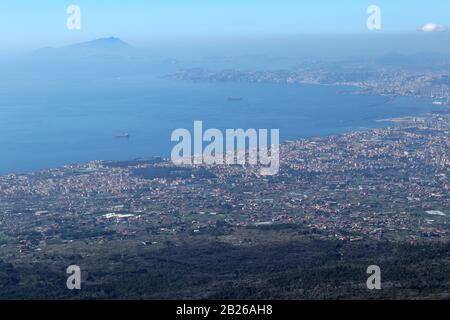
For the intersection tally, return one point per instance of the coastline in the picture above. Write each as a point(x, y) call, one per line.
point(376, 123)
point(390, 123)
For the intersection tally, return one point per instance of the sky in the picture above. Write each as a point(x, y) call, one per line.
point(32, 24)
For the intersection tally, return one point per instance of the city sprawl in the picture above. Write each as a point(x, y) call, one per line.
point(388, 183)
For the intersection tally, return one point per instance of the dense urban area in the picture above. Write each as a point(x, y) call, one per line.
point(148, 229)
point(422, 76)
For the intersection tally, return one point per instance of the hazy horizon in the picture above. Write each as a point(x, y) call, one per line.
point(30, 24)
point(299, 46)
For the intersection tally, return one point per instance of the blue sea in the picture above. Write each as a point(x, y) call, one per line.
point(53, 116)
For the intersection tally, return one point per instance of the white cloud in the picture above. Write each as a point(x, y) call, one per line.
point(433, 27)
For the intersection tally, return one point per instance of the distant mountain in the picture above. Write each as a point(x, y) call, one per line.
point(110, 43)
point(100, 48)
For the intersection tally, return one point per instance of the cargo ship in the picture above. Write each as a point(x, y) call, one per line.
point(124, 135)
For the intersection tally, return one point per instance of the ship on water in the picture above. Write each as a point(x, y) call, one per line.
point(234, 99)
point(124, 135)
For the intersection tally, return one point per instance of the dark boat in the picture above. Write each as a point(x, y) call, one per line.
point(123, 136)
point(234, 99)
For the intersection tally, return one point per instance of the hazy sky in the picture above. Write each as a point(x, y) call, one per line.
point(37, 23)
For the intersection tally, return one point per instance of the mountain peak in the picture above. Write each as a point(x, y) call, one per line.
point(102, 47)
point(105, 43)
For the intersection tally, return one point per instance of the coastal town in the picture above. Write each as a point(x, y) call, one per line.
point(431, 81)
point(390, 183)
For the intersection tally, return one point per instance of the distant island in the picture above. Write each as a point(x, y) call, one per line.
point(110, 45)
